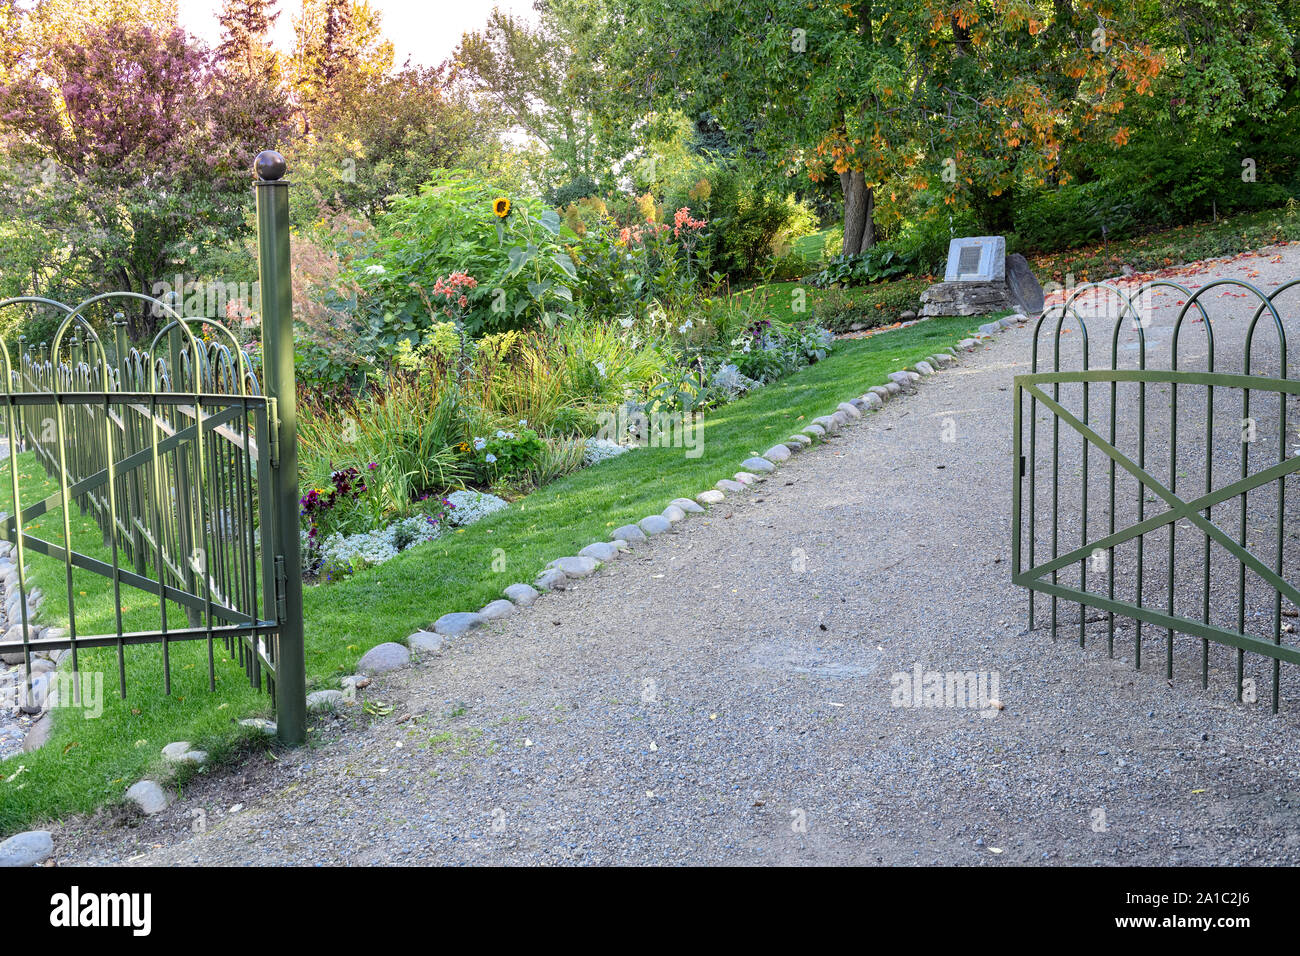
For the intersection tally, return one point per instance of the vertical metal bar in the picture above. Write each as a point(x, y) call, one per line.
point(277, 342)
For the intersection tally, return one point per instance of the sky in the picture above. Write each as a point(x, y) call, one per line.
point(426, 31)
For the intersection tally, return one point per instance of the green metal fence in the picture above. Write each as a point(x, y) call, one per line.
point(1159, 495)
point(185, 459)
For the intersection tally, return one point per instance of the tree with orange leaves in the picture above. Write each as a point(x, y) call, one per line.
point(962, 97)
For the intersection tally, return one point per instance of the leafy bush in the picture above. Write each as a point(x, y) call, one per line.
point(523, 274)
point(877, 264)
point(871, 307)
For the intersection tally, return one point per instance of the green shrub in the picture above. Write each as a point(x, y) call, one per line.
point(524, 274)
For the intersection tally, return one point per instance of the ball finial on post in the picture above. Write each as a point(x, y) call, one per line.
point(269, 166)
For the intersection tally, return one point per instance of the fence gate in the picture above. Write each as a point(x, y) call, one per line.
point(185, 464)
point(1153, 487)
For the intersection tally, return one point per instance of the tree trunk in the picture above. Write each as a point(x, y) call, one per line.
point(859, 213)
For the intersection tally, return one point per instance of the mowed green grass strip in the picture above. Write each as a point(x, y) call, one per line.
point(91, 761)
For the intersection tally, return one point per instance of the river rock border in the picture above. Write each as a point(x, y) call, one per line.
point(31, 702)
point(559, 573)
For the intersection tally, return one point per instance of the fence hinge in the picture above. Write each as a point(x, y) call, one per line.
point(273, 419)
point(280, 611)
point(1022, 466)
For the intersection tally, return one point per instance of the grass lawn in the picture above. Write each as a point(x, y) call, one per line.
point(89, 762)
point(810, 247)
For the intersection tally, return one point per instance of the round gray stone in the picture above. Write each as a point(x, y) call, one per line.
point(777, 453)
point(600, 550)
point(710, 497)
point(849, 409)
point(149, 796)
point(457, 623)
point(39, 733)
point(576, 566)
point(629, 533)
point(182, 752)
point(655, 524)
point(260, 725)
point(747, 478)
point(674, 514)
point(27, 849)
point(925, 368)
point(759, 465)
point(815, 431)
point(687, 505)
point(521, 594)
point(552, 579)
point(321, 701)
point(383, 658)
point(873, 400)
point(726, 484)
point(495, 610)
point(426, 642)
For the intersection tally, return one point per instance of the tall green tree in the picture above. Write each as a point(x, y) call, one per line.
point(245, 37)
point(339, 46)
point(551, 82)
point(889, 95)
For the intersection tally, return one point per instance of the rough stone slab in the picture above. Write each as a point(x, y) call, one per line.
point(777, 453)
point(815, 431)
point(385, 657)
point(674, 514)
point(990, 328)
point(521, 594)
point(967, 344)
point(27, 849)
point(321, 701)
point(858, 403)
point(925, 368)
point(710, 497)
point(600, 550)
point(552, 579)
point(881, 393)
point(495, 610)
point(654, 524)
point(457, 623)
point(893, 388)
point(687, 505)
point(630, 533)
point(426, 642)
point(149, 796)
point(873, 400)
point(849, 410)
point(828, 422)
point(727, 485)
point(943, 358)
point(576, 566)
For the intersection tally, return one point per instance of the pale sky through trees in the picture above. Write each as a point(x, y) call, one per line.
point(426, 31)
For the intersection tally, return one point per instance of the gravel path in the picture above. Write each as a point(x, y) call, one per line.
point(724, 695)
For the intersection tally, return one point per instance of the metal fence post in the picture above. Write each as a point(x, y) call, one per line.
point(272, 194)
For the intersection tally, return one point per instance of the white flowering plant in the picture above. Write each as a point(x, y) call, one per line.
point(470, 506)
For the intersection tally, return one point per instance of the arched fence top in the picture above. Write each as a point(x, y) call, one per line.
point(1131, 306)
point(211, 358)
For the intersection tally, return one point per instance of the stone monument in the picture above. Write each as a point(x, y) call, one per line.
point(981, 278)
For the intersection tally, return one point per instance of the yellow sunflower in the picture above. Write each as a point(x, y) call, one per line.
point(501, 206)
